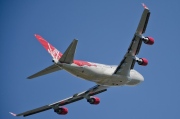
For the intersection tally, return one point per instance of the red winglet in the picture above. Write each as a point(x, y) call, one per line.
point(12, 114)
point(52, 50)
point(145, 7)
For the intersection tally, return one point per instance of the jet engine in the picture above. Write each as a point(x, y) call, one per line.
point(94, 100)
point(61, 110)
point(148, 40)
point(142, 61)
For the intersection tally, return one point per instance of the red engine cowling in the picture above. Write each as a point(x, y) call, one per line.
point(94, 100)
point(149, 40)
point(61, 110)
point(142, 61)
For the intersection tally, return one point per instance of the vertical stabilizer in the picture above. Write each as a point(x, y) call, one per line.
point(52, 50)
point(68, 56)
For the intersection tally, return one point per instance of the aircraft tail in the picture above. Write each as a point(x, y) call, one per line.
point(68, 56)
point(51, 49)
point(45, 71)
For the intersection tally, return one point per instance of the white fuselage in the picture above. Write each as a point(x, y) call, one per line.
point(103, 74)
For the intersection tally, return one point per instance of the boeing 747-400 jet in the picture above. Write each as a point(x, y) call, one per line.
point(104, 76)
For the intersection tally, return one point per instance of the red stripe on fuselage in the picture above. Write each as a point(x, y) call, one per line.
point(83, 63)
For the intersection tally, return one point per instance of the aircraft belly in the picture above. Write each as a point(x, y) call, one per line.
point(96, 74)
point(114, 80)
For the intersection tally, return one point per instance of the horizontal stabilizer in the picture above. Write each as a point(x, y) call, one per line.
point(45, 71)
point(68, 56)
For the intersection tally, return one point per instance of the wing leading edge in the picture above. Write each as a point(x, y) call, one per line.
point(129, 60)
point(76, 97)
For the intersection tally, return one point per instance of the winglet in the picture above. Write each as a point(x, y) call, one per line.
point(12, 114)
point(145, 7)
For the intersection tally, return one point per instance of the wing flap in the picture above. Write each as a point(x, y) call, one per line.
point(34, 111)
point(128, 61)
point(45, 71)
point(79, 96)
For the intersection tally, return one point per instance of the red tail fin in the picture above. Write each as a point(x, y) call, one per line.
point(52, 50)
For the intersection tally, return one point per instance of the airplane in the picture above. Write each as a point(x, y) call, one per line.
point(104, 76)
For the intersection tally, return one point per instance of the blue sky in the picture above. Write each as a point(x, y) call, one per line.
point(104, 29)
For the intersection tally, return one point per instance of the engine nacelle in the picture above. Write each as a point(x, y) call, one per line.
point(142, 61)
point(61, 110)
point(148, 40)
point(94, 100)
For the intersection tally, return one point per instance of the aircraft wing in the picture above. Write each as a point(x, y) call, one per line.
point(129, 59)
point(76, 97)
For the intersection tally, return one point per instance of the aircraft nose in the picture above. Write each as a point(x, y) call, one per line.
point(140, 77)
point(136, 78)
